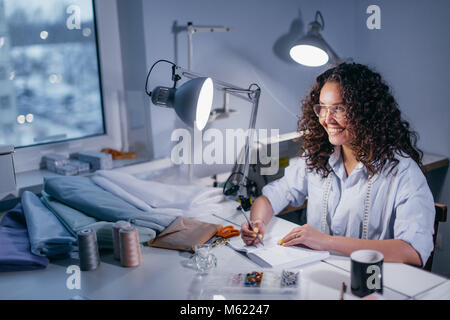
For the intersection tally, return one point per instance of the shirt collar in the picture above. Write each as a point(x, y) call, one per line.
point(336, 163)
point(335, 157)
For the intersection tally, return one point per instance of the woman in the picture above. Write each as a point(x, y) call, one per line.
point(360, 171)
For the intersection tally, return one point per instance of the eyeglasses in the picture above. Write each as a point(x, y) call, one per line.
point(338, 112)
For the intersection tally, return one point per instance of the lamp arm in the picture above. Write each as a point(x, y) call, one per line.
point(191, 30)
point(224, 86)
point(242, 193)
point(252, 96)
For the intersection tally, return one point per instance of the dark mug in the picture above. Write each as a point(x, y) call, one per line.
point(366, 272)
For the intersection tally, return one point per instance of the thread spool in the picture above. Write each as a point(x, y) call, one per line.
point(88, 250)
point(130, 249)
point(115, 230)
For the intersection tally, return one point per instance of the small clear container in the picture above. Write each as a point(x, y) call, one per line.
point(250, 284)
point(203, 259)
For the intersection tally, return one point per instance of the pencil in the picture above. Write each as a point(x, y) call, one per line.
point(343, 290)
point(250, 224)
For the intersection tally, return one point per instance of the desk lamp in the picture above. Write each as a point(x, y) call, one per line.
point(192, 103)
point(312, 50)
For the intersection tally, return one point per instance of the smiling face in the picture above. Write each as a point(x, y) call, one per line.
point(337, 130)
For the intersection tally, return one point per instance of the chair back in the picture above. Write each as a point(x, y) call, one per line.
point(441, 216)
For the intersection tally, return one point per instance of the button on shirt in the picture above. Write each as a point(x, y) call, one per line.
point(401, 204)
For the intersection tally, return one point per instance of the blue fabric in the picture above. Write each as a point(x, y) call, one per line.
point(15, 254)
point(75, 221)
point(48, 237)
point(84, 195)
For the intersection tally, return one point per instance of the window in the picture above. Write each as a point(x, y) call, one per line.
point(50, 88)
point(2, 73)
point(4, 102)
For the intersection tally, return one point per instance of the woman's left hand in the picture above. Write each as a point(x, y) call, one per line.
point(306, 236)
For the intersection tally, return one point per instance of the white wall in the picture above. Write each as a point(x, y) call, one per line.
point(242, 56)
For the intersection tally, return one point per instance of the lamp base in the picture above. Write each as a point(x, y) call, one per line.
point(246, 203)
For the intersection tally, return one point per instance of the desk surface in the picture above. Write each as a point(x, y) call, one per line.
point(433, 161)
point(163, 275)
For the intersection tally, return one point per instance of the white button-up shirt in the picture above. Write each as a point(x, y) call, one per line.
point(401, 203)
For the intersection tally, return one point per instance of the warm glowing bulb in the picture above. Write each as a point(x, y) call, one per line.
point(53, 78)
point(44, 35)
point(307, 55)
point(204, 104)
point(86, 32)
point(29, 117)
point(21, 119)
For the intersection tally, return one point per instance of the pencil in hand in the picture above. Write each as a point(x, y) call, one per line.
point(251, 225)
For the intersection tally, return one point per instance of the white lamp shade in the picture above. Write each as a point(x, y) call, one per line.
point(193, 101)
point(309, 55)
point(204, 104)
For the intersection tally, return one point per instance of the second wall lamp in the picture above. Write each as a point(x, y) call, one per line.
point(312, 50)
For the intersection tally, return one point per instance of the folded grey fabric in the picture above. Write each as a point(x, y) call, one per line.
point(84, 195)
point(75, 221)
point(48, 237)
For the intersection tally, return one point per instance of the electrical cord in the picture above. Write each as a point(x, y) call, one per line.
point(149, 93)
point(322, 25)
point(250, 87)
point(234, 188)
point(231, 188)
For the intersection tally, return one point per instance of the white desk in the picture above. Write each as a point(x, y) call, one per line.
point(163, 276)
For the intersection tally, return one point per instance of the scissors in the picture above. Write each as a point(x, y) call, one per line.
point(228, 232)
point(223, 234)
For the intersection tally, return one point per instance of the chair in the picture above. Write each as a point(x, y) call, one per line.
point(441, 216)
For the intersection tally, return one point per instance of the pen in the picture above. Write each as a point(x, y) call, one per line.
point(250, 224)
point(343, 290)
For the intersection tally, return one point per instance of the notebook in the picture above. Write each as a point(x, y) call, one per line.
point(273, 255)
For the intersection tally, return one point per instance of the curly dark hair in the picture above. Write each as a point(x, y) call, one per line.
point(377, 129)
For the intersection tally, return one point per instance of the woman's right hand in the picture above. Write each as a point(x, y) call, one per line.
point(249, 236)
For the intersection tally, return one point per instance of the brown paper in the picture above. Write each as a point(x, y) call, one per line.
point(184, 233)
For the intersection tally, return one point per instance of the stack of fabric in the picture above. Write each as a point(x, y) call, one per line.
point(155, 197)
point(15, 248)
point(47, 226)
point(48, 237)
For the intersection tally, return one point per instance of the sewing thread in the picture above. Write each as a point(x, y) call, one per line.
point(130, 249)
point(88, 250)
point(115, 230)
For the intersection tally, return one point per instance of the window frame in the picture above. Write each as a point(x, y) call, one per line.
point(111, 91)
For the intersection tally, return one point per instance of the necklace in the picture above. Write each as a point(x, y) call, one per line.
point(326, 194)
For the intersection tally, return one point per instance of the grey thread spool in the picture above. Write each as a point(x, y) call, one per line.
point(88, 250)
point(130, 249)
point(116, 243)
